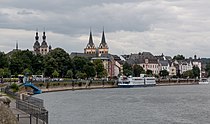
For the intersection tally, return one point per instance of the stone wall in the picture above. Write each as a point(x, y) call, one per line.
point(6, 115)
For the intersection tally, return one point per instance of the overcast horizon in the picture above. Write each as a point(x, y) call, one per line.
point(170, 27)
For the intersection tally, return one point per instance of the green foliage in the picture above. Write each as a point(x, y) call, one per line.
point(81, 75)
point(27, 71)
point(188, 74)
point(79, 63)
point(55, 74)
point(164, 73)
point(178, 57)
point(89, 69)
point(99, 67)
point(14, 87)
point(149, 72)
point(69, 74)
point(4, 61)
point(208, 69)
point(127, 69)
point(137, 70)
point(196, 72)
point(59, 60)
point(4, 72)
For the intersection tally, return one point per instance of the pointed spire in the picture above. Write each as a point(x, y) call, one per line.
point(90, 39)
point(103, 41)
point(16, 45)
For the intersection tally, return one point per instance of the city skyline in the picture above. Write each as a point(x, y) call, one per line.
point(158, 26)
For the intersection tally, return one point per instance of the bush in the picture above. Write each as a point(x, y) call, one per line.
point(41, 84)
point(14, 87)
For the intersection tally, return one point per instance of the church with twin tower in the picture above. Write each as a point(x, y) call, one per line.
point(91, 49)
point(42, 49)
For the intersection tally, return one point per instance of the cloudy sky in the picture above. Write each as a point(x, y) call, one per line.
point(170, 27)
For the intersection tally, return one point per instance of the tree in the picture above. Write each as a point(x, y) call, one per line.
point(20, 60)
point(69, 74)
point(164, 73)
point(27, 71)
point(137, 70)
point(81, 75)
point(3, 60)
point(62, 61)
point(208, 69)
point(55, 74)
point(178, 57)
point(100, 71)
point(196, 72)
point(149, 72)
point(50, 65)
point(127, 69)
point(89, 69)
point(37, 64)
point(188, 74)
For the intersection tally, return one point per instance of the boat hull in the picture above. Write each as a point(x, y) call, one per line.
point(133, 86)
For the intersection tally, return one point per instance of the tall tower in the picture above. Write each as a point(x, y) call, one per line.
point(90, 48)
point(16, 45)
point(36, 44)
point(44, 47)
point(103, 47)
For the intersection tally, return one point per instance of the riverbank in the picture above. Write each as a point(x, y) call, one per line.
point(56, 89)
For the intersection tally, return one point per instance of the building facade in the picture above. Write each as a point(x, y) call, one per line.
point(42, 49)
point(102, 49)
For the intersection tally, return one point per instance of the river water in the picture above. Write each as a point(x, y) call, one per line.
point(181, 104)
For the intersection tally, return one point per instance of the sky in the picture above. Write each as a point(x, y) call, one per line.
point(170, 27)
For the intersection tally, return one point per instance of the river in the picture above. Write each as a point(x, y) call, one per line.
point(181, 104)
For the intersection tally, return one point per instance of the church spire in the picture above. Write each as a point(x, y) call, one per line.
point(90, 48)
point(16, 45)
point(37, 35)
point(44, 37)
point(103, 47)
point(91, 40)
point(103, 41)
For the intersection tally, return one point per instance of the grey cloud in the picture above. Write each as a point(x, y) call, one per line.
point(161, 23)
point(24, 12)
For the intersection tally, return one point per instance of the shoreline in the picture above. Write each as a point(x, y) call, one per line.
point(57, 89)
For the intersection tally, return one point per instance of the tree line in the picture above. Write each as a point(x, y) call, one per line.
point(56, 63)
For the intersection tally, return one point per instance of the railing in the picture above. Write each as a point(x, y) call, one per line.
point(32, 106)
point(10, 93)
point(33, 110)
point(32, 100)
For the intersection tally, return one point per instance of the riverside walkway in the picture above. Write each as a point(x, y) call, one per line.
point(22, 117)
point(54, 89)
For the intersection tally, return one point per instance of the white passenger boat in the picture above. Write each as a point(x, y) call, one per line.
point(141, 81)
point(203, 81)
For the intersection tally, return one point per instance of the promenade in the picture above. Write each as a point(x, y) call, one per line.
point(55, 89)
point(22, 117)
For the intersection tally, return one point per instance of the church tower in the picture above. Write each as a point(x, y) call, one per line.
point(90, 48)
point(103, 47)
point(36, 44)
point(44, 47)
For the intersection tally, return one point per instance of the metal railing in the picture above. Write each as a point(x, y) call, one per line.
point(32, 106)
point(32, 100)
point(33, 110)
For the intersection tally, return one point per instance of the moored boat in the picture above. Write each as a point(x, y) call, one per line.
point(203, 81)
point(141, 81)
